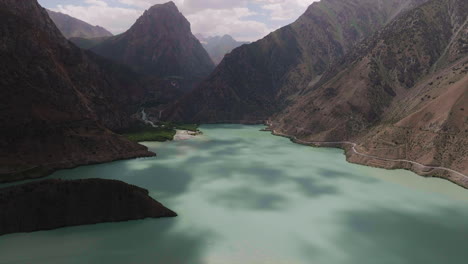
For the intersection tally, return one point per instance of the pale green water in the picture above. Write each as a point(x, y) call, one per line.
point(244, 196)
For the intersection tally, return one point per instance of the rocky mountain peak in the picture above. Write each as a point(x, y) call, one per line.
point(161, 45)
point(162, 17)
point(169, 6)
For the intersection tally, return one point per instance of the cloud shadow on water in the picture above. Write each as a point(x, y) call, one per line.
point(312, 188)
point(336, 175)
point(248, 198)
point(388, 236)
point(167, 182)
point(142, 241)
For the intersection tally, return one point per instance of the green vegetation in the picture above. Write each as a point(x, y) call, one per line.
point(149, 133)
point(165, 132)
point(189, 127)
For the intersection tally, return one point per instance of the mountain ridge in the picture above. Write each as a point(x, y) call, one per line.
point(75, 28)
point(284, 63)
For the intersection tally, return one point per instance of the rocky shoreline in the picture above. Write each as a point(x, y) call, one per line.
point(384, 163)
point(51, 204)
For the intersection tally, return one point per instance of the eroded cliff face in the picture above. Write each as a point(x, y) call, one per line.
point(402, 94)
point(260, 79)
point(52, 204)
point(58, 103)
point(160, 44)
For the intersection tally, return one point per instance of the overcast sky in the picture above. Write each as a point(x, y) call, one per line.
point(246, 20)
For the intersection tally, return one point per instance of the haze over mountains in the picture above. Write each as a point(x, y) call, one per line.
point(390, 75)
point(75, 28)
point(218, 46)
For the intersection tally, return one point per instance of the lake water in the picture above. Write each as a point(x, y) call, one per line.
point(245, 196)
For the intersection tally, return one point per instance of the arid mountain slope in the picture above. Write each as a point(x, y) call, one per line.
point(75, 28)
point(57, 102)
point(161, 44)
point(259, 79)
point(402, 94)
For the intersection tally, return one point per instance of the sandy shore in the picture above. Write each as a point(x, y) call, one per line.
point(185, 134)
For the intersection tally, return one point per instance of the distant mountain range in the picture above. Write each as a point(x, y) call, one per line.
point(75, 28)
point(218, 46)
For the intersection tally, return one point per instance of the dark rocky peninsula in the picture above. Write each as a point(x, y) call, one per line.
point(51, 204)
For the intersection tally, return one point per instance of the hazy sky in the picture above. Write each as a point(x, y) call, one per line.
point(243, 19)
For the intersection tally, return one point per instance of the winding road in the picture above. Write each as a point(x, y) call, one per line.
point(354, 145)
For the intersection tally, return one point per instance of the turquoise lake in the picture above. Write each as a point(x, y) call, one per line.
point(246, 196)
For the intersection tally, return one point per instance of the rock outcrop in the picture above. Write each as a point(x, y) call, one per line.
point(58, 103)
point(52, 204)
point(160, 44)
point(74, 28)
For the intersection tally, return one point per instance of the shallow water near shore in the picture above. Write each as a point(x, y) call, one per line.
point(245, 196)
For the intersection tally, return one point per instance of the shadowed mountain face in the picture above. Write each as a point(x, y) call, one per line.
point(160, 44)
point(219, 46)
point(256, 80)
point(75, 28)
point(58, 102)
point(402, 93)
point(87, 43)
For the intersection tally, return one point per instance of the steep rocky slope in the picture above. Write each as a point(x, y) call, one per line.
point(54, 204)
point(402, 94)
point(75, 28)
point(259, 79)
point(218, 46)
point(57, 102)
point(161, 44)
